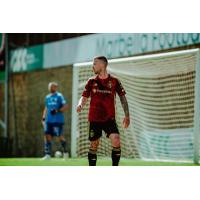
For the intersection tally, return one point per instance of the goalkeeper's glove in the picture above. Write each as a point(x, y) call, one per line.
point(54, 111)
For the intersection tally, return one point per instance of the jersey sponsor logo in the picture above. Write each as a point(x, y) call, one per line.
point(101, 91)
point(52, 101)
point(104, 91)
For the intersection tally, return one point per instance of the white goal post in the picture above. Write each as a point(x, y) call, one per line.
point(163, 92)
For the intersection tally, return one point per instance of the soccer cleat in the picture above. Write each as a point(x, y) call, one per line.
point(46, 157)
point(65, 155)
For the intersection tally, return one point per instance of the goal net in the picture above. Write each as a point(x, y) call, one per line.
point(164, 103)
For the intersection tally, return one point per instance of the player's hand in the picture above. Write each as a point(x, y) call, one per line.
point(53, 111)
point(126, 122)
point(79, 108)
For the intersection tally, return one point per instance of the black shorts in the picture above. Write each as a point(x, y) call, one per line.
point(96, 128)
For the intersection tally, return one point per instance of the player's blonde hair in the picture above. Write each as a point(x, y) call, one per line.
point(52, 83)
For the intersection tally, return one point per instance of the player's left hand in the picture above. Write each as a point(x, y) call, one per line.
point(53, 111)
point(126, 122)
point(79, 108)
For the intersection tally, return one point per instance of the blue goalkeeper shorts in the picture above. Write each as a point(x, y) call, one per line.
point(53, 129)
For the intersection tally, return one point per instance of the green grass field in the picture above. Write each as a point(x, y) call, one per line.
point(82, 162)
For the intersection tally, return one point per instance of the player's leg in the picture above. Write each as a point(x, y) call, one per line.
point(116, 149)
point(112, 131)
point(59, 134)
point(64, 146)
point(92, 154)
point(95, 132)
point(63, 143)
point(47, 146)
point(47, 140)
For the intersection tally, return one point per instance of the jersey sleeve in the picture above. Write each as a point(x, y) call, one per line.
point(119, 88)
point(63, 101)
point(87, 90)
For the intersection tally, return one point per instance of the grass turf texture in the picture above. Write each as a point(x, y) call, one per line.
point(82, 162)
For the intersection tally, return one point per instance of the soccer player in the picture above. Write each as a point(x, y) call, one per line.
point(102, 89)
point(53, 119)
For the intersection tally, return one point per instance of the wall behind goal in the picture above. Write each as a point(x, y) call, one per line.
point(27, 94)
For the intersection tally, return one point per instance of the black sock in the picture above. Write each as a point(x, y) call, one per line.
point(116, 153)
point(92, 157)
point(64, 146)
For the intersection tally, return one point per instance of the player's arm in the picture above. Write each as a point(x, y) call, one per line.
point(85, 96)
point(125, 107)
point(44, 115)
point(81, 103)
point(64, 104)
point(64, 108)
point(122, 95)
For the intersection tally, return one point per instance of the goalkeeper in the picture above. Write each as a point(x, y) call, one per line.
point(102, 89)
point(53, 119)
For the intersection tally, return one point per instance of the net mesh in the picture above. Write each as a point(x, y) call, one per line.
point(160, 93)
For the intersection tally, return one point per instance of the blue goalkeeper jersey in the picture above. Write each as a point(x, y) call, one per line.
point(54, 101)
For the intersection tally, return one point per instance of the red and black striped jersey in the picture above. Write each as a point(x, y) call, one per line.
point(102, 93)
